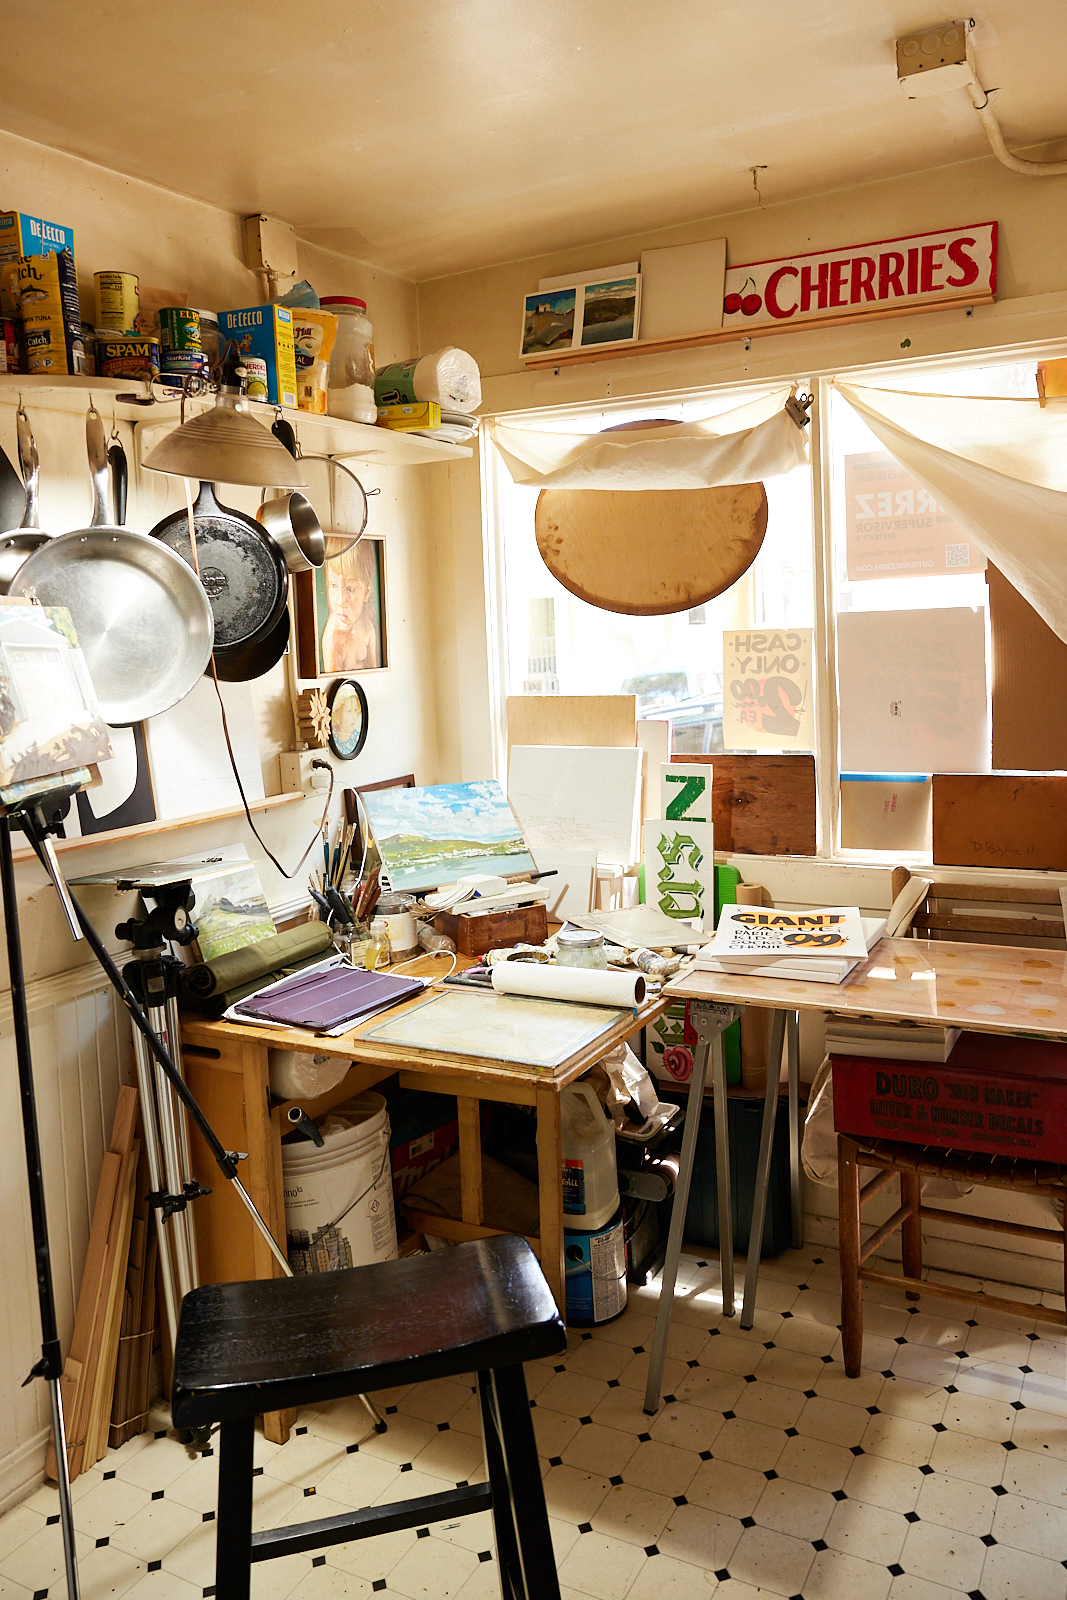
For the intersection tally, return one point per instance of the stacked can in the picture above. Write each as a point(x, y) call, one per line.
point(181, 348)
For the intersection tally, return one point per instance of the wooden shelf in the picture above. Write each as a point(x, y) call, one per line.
point(319, 435)
point(164, 825)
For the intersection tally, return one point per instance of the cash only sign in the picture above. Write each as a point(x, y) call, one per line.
point(955, 266)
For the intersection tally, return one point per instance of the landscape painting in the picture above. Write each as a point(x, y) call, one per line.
point(231, 910)
point(548, 323)
point(437, 835)
point(610, 311)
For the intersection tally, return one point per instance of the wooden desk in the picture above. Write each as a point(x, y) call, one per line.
point(984, 988)
point(226, 1069)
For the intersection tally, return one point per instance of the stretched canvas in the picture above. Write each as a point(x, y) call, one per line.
point(453, 830)
point(578, 797)
point(49, 718)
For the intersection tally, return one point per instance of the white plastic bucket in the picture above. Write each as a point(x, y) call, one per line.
point(339, 1199)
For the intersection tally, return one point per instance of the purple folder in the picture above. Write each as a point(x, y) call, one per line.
point(324, 1000)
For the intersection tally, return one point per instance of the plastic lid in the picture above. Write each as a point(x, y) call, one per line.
point(342, 300)
point(379, 925)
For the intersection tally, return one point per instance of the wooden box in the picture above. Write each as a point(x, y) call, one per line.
point(1001, 819)
point(1006, 1096)
point(496, 930)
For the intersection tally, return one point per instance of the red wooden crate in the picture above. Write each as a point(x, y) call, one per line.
point(1002, 1095)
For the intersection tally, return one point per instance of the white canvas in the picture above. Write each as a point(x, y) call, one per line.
point(570, 892)
point(680, 871)
point(578, 797)
point(685, 792)
point(191, 770)
point(654, 738)
point(913, 691)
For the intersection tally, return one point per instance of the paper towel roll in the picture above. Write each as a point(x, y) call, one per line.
point(595, 988)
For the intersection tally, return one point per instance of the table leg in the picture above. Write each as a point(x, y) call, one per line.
point(470, 1159)
point(796, 1208)
point(550, 1188)
point(763, 1166)
point(710, 1022)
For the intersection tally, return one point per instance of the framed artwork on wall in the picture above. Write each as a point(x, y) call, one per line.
point(349, 718)
point(341, 611)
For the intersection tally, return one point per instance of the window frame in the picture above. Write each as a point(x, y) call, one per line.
point(820, 383)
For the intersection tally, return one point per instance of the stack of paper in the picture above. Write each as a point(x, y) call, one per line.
point(818, 946)
point(892, 1041)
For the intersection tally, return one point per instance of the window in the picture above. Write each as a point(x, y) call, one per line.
point(902, 655)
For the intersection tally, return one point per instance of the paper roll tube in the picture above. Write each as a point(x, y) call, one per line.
point(591, 987)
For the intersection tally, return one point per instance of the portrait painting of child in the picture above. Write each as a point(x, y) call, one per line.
point(348, 607)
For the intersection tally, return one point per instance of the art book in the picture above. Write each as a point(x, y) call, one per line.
point(754, 933)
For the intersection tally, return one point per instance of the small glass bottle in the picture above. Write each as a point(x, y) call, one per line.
point(580, 947)
point(377, 951)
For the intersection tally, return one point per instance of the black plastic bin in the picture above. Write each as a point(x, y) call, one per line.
point(745, 1125)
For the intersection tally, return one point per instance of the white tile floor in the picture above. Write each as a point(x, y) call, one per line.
point(941, 1471)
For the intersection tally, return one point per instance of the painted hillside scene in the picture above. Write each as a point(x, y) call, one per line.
point(453, 830)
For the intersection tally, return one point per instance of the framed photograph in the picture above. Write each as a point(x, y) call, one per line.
point(549, 321)
point(611, 312)
point(349, 718)
point(341, 611)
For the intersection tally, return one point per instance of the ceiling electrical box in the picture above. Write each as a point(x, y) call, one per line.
point(935, 60)
point(270, 246)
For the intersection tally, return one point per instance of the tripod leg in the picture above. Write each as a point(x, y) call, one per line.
point(50, 1365)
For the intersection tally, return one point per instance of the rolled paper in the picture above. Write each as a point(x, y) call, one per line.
point(586, 985)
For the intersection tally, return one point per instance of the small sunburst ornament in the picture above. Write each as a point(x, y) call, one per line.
point(313, 718)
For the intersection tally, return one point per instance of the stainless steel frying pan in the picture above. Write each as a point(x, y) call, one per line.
point(17, 545)
point(141, 615)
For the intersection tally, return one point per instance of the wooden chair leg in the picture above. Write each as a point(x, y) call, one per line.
point(536, 1557)
point(911, 1234)
point(233, 1560)
point(1065, 1242)
point(507, 1548)
point(848, 1225)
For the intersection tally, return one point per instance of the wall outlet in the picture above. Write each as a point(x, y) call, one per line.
point(296, 771)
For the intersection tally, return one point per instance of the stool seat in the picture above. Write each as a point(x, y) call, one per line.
point(245, 1348)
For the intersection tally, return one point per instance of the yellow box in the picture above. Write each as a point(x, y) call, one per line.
point(410, 418)
point(266, 332)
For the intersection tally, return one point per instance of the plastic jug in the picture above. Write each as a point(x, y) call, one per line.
point(590, 1180)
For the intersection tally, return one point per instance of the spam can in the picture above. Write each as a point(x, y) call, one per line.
point(134, 357)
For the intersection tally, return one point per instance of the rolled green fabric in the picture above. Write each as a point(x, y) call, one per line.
point(254, 965)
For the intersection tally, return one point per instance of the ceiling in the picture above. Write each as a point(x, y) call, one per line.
point(434, 136)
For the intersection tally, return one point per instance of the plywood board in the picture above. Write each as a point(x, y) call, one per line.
point(913, 690)
point(650, 552)
point(586, 719)
point(654, 738)
point(761, 805)
point(1001, 819)
point(570, 797)
point(1029, 683)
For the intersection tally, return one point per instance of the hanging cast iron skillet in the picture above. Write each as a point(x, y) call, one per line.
point(241, 568)
point(250, 661)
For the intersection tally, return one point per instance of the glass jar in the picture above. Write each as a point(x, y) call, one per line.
point(351, 390)
point(580, 947)
point(377, 951)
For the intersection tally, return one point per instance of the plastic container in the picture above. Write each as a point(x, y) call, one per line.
point(449, 376)
point(351, 387)
point(339, 1199)
point(590, 1179)
point(595, 1273)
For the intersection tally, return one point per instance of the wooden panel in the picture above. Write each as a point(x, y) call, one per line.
point(470, 1159)
point(650, 552)
point(762, 805)
point(1029, 683)
point(573, 719)
point(223, 1227)
point(550, 1187)
point(1000, 819)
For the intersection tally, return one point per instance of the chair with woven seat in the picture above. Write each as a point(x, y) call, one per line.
point(911, 1163)
point(484, 1307)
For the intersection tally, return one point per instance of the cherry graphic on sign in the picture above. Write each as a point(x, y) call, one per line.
point(732, 304)
point(751, 304)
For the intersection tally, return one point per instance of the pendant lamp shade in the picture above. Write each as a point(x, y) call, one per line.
point(227, 445)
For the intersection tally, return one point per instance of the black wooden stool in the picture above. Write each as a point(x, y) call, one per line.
point(485, 1307)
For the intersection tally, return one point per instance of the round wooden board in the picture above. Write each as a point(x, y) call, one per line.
point(648, 552)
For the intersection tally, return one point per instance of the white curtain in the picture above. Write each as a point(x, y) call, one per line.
point(999, 467)
point(759, 440)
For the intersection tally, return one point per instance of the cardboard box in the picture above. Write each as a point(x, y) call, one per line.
point(265, 332)
point(1029, 675)
point(1001, 819)
point(23, 235)
point(409, 418)
point(885, 811)
point(45, 290)
point(1007, 1096)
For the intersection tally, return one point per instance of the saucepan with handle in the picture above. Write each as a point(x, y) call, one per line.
point(17, 545)
point(141, 615)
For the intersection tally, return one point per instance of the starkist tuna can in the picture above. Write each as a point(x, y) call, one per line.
point(127, 358)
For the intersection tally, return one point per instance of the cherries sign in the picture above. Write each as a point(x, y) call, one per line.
point(747, 304)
